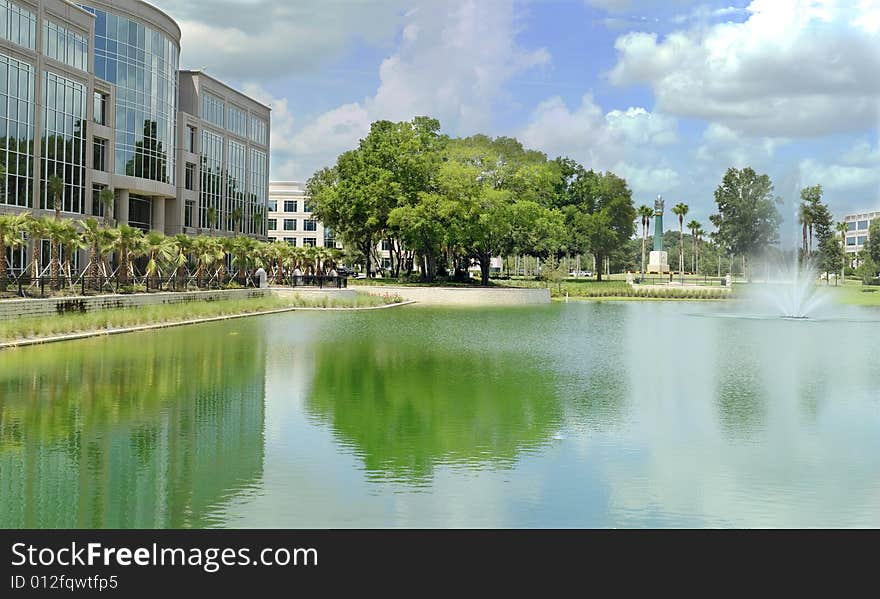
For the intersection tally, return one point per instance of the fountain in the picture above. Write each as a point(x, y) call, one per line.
point(791, 293)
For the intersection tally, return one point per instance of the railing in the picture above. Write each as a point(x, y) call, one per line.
point(675, 279)
point(44, 286)
point(318, 281)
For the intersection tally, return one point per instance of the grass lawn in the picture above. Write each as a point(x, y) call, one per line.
point(853, 293)
point(51, 326)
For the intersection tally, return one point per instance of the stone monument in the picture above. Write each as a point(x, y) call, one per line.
point(658, 262)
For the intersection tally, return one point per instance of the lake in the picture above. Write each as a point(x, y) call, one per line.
point(594, 414)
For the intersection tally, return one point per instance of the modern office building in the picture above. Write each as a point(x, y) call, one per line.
point(857, 232)
point(92, 92)
point(290, 217)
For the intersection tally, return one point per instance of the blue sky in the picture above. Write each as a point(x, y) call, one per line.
point(667, 93)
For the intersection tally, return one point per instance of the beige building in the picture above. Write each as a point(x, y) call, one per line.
point(857, 231)
point(290, 217)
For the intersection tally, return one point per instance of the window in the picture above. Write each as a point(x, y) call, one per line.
point(212, 109)
point(17, 126)
point(272, 205)
point(273, 224)
point(290, 240)
point(385, 246)
point(236, 155)
point(211, 173)
point(236, 121)
point(850, 241)
point(290, 205)
point(190, 139)
point(863, 225)
point(257, 187)
point(188, 213)
point(18, 25)
point(310, 241)
point(97, 206)
point(290, 224)
point(100, 108)
point(65, 45)
point(307, 206)
point(63, 143)
point(190, 176)
point(863, 239)
point(851, 226)
point(258, 130)
point(329, 239)
point(99, 161)
point(310, 225)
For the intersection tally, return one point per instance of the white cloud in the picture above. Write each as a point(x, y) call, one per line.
point(642, 127)
point(259, 39)
point(723, 145)
point(795, 68)
point(838, 177)
point(647, 180)
point(451, 64)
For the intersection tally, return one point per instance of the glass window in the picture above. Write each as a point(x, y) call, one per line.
point(863, 239)
point(190, 175)
point(63, 143)
point(65, 45)
point(190, 139)
point(258, 130)
point(850, 241)
point(863, 225)
point(851, 225)
point(99, 160)
point(290, 224)
point(307, 206)
point(310, 225)
point(258, 188)
point(272, 205)
point(97, 206)
point(236, 121)
point(18, 24)
point(212, 109)
point(17, 130)
point(273, 224)
point(239, 215)
point(211, 173)
point(188, 213)
point(290, 240)
point(290, 205)
point(100, 108)
point(310, 241)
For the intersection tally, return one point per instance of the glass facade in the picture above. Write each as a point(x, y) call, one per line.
point(236, 121)
point(18, 24)
point(258, 189)
point(17, 131)
point(63, 143)
point(143, 65)
point(259, 130)
point(236, 158)
point(65, 45)
point(211, 191)
point(212, 109)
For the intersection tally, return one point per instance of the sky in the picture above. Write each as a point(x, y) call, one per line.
point(666, 93)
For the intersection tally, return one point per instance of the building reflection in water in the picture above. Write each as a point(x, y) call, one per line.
point(148, 430)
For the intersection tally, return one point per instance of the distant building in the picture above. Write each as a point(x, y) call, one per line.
point(291, 220)
point(857, 234)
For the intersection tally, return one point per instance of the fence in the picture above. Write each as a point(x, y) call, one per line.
point(704, 281)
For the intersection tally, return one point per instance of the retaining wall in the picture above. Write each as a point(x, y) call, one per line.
point(25, 308)
point(463, 296)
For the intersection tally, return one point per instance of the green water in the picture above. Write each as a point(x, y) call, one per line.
point(581, 415)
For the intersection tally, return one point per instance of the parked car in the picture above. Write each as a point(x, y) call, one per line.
point(344, 271)
point(582, 273)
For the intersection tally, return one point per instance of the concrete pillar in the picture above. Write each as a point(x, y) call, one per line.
point(158, 217)
point(121, 211)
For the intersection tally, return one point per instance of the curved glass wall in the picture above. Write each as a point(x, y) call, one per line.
point(143, 64)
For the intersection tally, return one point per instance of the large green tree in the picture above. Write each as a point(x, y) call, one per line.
point(748, 219)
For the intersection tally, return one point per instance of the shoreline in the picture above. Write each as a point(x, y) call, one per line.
point(179, 323)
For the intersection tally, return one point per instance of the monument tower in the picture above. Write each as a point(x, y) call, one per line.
point(659, 260)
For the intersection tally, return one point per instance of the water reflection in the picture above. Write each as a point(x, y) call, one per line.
point(405, 412)
point(146, 430)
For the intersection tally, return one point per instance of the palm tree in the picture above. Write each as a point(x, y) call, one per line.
point(55, 187)
point(56, 231)
point(205, 251)
point(95, 236)
point(107, 198)
point(257, 218)
point(243, 252)
point(842, 228)
point(237, 214)
point(211, 217)
point(128, 240)
point(699, 232)
point(645, 213)
point(183, 245)
point(160, 249)
point(692, 226)
point(225, 246)
point(11, 227)
point(805, 216)
point(681, 211)
point(37, 229)
point(70, 241)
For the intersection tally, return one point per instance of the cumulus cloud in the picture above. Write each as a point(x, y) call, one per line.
point(247, 40)
point(451, 64)
point(624, 141)
point(799, 68)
